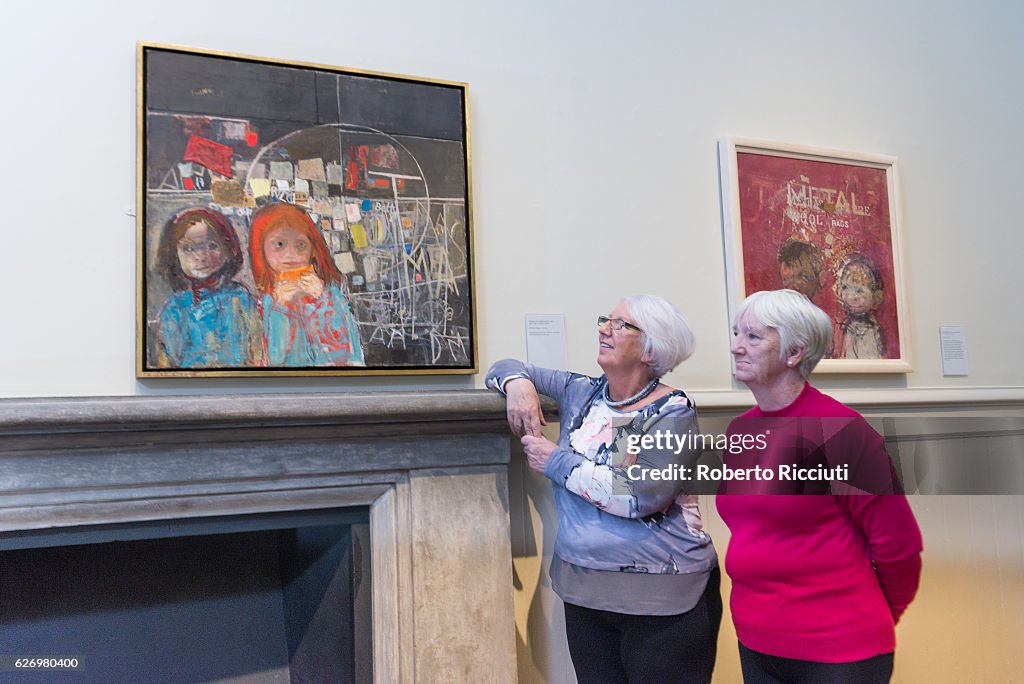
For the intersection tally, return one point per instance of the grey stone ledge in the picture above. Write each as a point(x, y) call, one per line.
point(432, 412)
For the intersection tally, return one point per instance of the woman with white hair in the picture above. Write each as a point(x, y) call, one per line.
point(636, 571)
point(818, 580)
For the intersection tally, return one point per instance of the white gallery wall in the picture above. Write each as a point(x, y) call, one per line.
point(594, 127)
point(594, 166)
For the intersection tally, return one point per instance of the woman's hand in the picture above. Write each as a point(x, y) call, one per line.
point(523, 408)
point(538, 451)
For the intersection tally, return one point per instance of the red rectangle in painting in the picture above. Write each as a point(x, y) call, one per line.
point(212, 155)
point(819, 227)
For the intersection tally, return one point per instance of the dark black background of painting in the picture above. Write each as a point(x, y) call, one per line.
point(279, 99)
point(222, 86)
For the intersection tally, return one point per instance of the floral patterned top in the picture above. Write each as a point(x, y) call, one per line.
point(627, 542)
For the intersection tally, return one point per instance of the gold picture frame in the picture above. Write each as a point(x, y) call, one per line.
point(298, 219)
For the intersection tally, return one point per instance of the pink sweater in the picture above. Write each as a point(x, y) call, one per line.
point(818, 577)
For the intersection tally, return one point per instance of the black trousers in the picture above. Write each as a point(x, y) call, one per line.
point(760, 668)
point(614, 648)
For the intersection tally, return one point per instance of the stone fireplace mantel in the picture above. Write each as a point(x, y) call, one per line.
point(430, 466)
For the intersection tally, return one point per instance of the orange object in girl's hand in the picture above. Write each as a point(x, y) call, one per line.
point(294, 275)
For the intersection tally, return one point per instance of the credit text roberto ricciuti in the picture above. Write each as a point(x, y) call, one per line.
point(708, 473)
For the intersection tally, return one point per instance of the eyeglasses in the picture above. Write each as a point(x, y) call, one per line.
point(616, 323)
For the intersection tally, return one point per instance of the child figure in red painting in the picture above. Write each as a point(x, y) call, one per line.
point(800, 265)
point(859, 290)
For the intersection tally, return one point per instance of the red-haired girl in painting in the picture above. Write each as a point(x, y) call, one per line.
point(209, 321)
point(307, 320)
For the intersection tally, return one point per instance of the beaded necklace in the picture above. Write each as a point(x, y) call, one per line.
point(647, 389)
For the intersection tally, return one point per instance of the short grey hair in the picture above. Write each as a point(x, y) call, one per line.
point(799, 322)
point(667, 339)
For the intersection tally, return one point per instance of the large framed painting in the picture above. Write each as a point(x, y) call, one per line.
point(300, 219)
point(825, 223)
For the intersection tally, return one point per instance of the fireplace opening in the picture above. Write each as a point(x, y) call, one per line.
point(273, 597)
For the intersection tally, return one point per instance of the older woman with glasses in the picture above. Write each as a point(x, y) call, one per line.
point(818, 580)
point(637, 573)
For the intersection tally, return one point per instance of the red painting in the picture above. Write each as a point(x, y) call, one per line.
point(824, 228)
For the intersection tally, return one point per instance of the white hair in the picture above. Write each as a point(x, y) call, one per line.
point(799, 322)
point(667, 337)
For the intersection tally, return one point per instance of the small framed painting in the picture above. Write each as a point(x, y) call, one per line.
point(825, 223)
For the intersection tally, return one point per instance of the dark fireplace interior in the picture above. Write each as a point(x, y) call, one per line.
point(274, 597)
